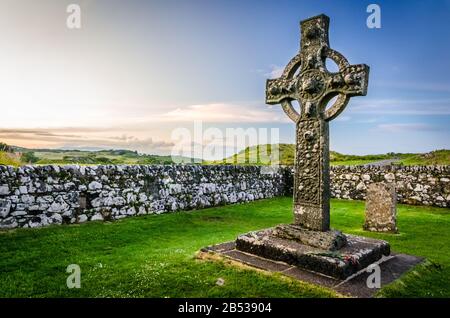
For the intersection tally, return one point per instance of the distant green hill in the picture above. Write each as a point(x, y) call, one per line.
point(20, 156)
point(256, 155)
point(260, 155)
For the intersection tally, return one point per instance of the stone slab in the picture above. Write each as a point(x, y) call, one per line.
point(258, 262)
point(381, 208)
point(391, 267)
point(358, 253)
point(329, 240)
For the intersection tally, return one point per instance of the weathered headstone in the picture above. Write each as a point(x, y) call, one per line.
point(309, 242)
point(381, 208)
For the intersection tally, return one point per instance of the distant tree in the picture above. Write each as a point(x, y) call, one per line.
point(29, 157)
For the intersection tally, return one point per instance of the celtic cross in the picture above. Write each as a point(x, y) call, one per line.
point(307, 80)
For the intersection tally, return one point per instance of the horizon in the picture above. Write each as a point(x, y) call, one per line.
point(137, 71)
point(98, 149)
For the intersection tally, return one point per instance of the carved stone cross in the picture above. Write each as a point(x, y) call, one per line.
point(307, 80)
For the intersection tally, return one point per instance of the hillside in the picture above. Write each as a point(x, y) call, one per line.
point(17, 156)
point(256, 155)
point(260, 155)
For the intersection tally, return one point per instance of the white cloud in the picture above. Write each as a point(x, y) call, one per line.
point(82, 138)
point(275, 71)
point(416, 86)
point(402, 127)
point(401, 106)
point(343, 118)
point(223, 113)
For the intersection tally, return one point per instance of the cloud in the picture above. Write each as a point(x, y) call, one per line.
point(401, 127)
point(416, 86)
point(133, 132)
point(343, 118)
point(401, 106)
point(275, 71)
point(57, 138)
point(223, 113)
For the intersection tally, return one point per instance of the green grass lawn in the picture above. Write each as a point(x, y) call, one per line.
point(153, 256)
point(351, 162)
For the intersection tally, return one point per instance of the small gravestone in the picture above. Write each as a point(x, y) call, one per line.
point(381, 208)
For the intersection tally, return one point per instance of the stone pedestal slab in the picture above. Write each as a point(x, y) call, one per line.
point(357, 254)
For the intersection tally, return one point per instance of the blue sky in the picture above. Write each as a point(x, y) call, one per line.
point(138, 70)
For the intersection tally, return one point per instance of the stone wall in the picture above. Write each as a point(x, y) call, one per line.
point(414, 185)
point(34, 196)
point(417, 185)
point(43, 195)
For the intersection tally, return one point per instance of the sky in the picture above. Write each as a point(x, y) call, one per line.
point(141, 75)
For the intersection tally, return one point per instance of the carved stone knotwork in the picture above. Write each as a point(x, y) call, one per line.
point(309, 243)
point(306, 80)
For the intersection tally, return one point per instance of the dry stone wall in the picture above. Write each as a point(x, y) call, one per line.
point(43, 195)
point(416, 185)
point(427, 185)
point(34, 196)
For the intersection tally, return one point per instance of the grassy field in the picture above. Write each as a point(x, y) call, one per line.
point(99, 157)
point(256, 155)
point(9, 159)
point(260, 155)
point(153, 256)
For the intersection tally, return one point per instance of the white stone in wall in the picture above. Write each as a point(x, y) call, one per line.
point(361, 186)
point(118, 201)
point(27, 199)
point(94, 185)
point(142, 210)
point(18, 213)
point(97, 217)
point(56, 207)
point(4, 189)
point(5, 208)
point(97, 202)
point(142, 197)
point(131, 197)
point(69, 186)
point(389, 177)
point(57, 218)
point(9, 223)
point(35, 207)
